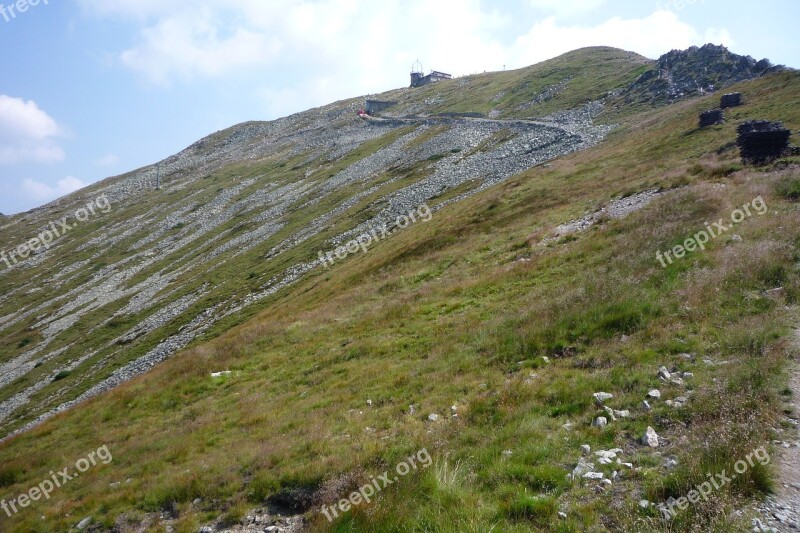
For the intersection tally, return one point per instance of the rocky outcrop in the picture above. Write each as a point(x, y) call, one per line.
point(695, 71)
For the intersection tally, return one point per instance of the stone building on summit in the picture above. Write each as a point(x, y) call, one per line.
point(419, 79)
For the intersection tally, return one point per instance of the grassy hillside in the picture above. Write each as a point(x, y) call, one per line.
point(462, 311)
point(244, 210)
point(566, 82)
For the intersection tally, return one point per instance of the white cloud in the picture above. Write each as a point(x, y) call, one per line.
point(42, 192)
point(719, 36)
point(185, 47)
point(302, 53)
point(651, 36)
point(27, 133)
point(566, 7)
point(108, 160)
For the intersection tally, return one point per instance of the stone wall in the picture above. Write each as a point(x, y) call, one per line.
point(731, 100)
point(373, 107)
point(711, 118)
point(761, 141)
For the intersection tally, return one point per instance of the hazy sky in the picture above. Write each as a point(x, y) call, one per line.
point(94, 88)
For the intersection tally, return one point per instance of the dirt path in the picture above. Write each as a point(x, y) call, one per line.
point(782, 510)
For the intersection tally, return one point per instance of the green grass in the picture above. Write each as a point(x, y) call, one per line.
point(445, 314)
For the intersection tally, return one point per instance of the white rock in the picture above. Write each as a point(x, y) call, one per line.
point(582, 468)
point(676, 381)
point(601, 397)
point(664, 374)
point(83, 524)
point(650, 438)
point(654, 394)
point(605, 461)
point(606, 454)
point(433, 417)
point(593, 475)
point(220, 374)
point(562, 515)
point(687, 375)
point(586, 449)
point(644, 504)
point(600, 422)
point(646, 406)
point(610, 413)
point(607, 482)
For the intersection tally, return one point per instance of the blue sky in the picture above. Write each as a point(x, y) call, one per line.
point(95, 88)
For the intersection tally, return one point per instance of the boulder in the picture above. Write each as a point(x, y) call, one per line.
point(650, 438)
point(581, 468)
point(601, 397)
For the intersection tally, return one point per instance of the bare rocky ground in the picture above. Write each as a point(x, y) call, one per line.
point(616, 209)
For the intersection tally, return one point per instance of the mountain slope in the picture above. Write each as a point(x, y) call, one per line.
point(238, 216)
point(442, 314)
